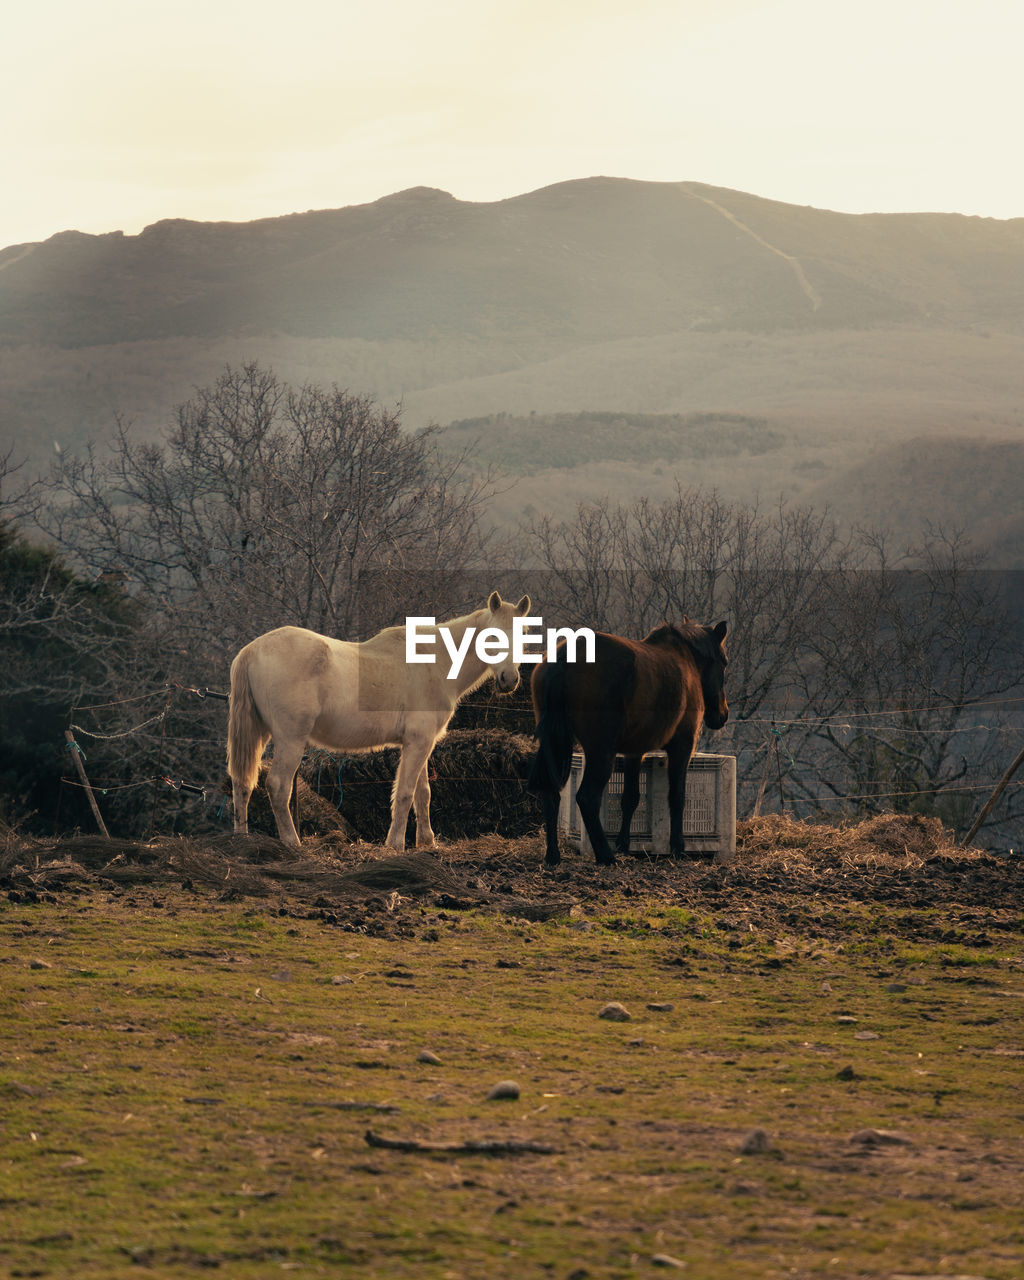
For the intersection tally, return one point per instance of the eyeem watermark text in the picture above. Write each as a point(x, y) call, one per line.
point(530, 642)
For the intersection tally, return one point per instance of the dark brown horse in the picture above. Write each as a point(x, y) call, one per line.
point(636, 696)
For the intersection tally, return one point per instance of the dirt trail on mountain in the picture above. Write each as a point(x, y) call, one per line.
point(806, 288)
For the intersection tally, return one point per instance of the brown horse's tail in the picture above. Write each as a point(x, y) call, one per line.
point(553, 761)
point(247, 734)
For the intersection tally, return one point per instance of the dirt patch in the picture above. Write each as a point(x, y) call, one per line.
point(785, 873)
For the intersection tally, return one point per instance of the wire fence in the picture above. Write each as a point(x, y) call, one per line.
point(771, 741)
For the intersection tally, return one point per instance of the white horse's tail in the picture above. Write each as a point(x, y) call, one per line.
point(247, 733)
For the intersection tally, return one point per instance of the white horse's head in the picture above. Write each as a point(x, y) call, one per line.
point(502, 619)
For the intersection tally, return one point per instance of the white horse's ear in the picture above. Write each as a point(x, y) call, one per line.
point(494, 603)
point(523, 607)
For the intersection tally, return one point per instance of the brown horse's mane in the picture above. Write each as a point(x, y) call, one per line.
point(690, 633)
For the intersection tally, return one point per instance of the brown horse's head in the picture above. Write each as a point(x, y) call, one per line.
point(707, 644)
point(712, 675)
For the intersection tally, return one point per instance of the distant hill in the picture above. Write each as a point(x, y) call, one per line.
point(581, 305)
point(582, 261)
point(522, 446)
point(948, 484)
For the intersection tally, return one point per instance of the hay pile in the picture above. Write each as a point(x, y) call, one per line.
point(892, 857)
point(331, 875)
point(237, 866)
point(317, 815)
point(477, 787)
point(888, 840)
point(320, 873)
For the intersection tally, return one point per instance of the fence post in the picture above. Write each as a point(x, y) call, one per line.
point(76, 755)
point(987, 807)
point(769, 746)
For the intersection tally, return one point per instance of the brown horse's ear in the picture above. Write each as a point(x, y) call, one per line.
point(523, 607)
point(494, 601)
point(720, 630)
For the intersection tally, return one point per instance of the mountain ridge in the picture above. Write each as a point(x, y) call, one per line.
point(591, 258)
point(844, 333)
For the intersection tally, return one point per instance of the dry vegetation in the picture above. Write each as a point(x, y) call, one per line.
point(785, 863)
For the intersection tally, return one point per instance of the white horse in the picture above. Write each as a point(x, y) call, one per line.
point(298, 687)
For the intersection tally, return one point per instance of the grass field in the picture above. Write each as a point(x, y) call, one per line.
point(188, 1079)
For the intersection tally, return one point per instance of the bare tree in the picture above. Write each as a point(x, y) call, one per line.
point(265, 505)
point(628, 568)
point(262, 505)
point(857, 682)
point(911, 682)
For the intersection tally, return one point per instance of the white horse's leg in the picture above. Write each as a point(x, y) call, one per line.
point(421, 806)
point(280, 778)
point(413, 762)
point(240, 803)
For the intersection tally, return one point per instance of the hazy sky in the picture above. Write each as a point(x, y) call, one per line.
point(116, 113)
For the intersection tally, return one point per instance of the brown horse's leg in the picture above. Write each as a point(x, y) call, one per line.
point(630, 799)
point(588, 799)
point(550, 802)
point(679, 752)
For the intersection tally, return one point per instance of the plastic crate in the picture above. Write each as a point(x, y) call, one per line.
point(709, 816)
